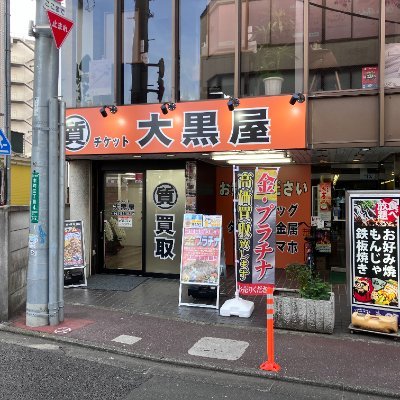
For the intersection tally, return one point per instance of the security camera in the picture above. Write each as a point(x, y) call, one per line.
point(232, 103)
point(103, 112)
point(297, 98)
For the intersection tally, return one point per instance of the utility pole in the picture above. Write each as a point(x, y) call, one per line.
point(45, 88)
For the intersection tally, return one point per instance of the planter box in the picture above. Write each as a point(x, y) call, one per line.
point(296, 313)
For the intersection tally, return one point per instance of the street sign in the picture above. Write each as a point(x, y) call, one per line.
point(60, 26)
point(55, 6)
point(5, 146)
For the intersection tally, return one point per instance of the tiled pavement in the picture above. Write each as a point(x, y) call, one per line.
point(159, 297)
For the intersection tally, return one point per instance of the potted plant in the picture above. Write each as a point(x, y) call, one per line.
point(310, 307)
point(270, 58)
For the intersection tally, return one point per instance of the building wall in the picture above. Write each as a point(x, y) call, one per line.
point(13, 260)
point(22, 64)
point(20, 184)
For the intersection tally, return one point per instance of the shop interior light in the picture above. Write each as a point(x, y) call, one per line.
point(249, 155)
point(167, 106)
point(287, 160)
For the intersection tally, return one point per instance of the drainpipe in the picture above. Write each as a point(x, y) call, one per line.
point(61, 210)
point(53, 212)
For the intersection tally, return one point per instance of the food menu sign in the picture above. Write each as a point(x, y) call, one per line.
point(201, 249)
point(255, 223)
point(374, 252)
point(73, 245)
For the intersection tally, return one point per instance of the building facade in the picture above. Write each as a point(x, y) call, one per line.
point(164, 96)
point(22, 64)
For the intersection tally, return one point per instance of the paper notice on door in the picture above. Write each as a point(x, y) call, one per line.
point(124, 221)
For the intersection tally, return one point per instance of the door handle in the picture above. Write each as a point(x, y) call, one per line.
point(101, 224)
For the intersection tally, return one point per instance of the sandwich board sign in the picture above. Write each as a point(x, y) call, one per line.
point(5, 146)
point(201, 255)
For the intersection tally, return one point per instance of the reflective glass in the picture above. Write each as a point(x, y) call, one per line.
point(272, 47)
point(344, 46)
point(89, 50)
point(193, 42)
point(147, 51)
point(215, 47)
point(392, 41)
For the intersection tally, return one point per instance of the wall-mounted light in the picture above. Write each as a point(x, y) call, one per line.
point(168, 106)
point(232, 103)
point(297, 98)
point(103, 112)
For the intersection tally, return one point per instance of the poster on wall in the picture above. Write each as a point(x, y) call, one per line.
point(325, 201)
point(190, 186)
point(74, 254)
point(369, 77)
point(373, 224)
point(323, 240)
point(255, 223)
point(224, 201)
point(201, 253)
point(293, 214)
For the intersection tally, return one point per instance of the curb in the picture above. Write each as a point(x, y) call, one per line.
point(181, 363)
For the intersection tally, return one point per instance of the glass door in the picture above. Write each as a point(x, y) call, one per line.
point(122, 216)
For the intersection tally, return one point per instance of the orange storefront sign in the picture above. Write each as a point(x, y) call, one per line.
point(257, 123)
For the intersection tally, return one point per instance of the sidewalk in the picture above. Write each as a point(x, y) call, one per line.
point(163, 331)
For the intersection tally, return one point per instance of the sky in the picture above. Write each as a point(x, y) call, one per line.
point(21, 12)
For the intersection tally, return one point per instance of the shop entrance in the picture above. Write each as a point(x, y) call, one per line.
point(122, 221)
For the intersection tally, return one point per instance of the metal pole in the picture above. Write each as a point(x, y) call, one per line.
point(53, 212)
point(45, 87)
point(61, 211)
point(7, 108)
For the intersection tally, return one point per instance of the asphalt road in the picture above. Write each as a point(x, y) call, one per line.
point(35, 368)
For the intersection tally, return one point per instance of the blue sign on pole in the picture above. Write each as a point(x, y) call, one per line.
point(5, 146)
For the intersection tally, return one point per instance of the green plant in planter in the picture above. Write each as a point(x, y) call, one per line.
point(270, 58)
point(311, 286)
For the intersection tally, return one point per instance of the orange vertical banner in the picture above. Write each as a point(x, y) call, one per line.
point(270, 364)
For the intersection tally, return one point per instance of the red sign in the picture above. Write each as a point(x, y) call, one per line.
point(60, 26)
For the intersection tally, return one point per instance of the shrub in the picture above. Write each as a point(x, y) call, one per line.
point(311, 286)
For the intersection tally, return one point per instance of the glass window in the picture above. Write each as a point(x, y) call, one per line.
point(147, 51)
point(272, 47)
point(344, 45)
point(217, 48)
point(392, 47)
point(91, 50)
point(193, 44)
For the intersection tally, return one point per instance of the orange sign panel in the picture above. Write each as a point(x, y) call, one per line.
point(257, 123)
point(293, 212)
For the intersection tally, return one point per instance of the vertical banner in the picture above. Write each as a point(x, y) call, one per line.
point(324, 201)
point(255, 222)
point(374, 252)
